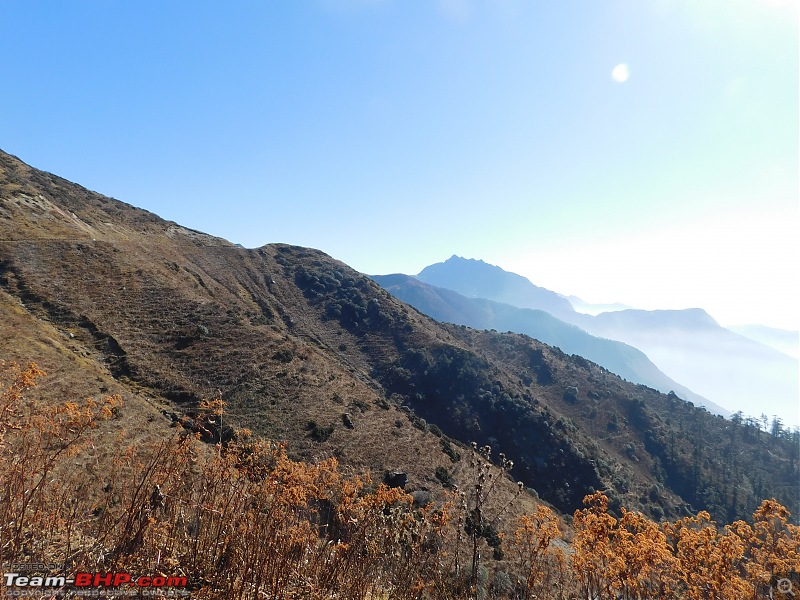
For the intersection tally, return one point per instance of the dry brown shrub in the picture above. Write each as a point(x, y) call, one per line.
point(243, 520)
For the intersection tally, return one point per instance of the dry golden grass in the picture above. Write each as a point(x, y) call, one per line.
point(246, 521)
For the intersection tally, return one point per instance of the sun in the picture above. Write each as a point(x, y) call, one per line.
point(620, 73)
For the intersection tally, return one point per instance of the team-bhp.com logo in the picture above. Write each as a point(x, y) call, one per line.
point(157, 585)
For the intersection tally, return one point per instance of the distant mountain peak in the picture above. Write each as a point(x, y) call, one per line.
point(476, 278)
point(456, 258)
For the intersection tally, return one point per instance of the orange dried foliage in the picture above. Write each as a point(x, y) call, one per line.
point(243, 520)
point(542, 565)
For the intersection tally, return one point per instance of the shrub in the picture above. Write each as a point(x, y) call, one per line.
point(317, 432)
point(448, 449)
point(283, 355)
point(243, 520)
point(444, 476)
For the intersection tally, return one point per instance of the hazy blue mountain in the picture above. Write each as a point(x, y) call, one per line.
point(690, 346)
point(782, 340)
point(477, 279)
point(479, 313)
point(686, 320)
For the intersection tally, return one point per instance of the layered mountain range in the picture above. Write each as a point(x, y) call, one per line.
point(109, 298)
point(619, 358)
point(683, 350)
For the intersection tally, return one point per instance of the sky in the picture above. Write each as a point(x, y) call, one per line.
point(643, 152)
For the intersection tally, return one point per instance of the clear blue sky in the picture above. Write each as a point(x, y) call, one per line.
point(394, 133)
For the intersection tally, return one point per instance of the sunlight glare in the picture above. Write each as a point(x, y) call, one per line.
point(621, 73)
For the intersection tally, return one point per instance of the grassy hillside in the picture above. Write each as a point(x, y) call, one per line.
point(304, 349)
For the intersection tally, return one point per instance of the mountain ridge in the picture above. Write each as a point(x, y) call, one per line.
point(111, 298)
point(622, 359)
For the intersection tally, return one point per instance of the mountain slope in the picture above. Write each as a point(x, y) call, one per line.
point(111, 297)
point(451, 307)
